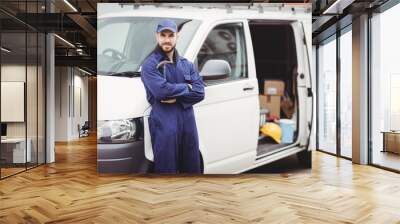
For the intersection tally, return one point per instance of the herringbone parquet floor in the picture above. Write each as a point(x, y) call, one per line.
point(70, 191)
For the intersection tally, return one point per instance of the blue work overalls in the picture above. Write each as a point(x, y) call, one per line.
point(172, 126)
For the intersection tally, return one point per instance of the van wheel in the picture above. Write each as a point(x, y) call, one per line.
point(305, 158)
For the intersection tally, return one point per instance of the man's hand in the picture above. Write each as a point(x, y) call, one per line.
point(169, 101)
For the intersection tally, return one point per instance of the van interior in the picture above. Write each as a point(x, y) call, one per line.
point(276, 67)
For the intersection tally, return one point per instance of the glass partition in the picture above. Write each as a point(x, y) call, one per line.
point(346, 94)
point(14, 154)
point(22, 77)
point(327, 97)
point(385, 89)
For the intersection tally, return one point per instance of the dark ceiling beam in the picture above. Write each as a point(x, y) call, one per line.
point(332, 29)
point(328, 15)
point(49, 22)
point(84, 24)
point(80, 20)
point(63, 51)
point(325, 26)
point(17, 19)
point(82, 61)
point(91, 5)
point(319, 23)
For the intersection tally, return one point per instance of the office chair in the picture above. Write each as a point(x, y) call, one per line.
point(84, 130)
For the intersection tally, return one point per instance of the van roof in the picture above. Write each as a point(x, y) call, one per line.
point(203, 13)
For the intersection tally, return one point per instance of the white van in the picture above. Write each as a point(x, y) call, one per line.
point(261, 42)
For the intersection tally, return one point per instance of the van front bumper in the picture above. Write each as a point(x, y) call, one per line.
point(122, 158)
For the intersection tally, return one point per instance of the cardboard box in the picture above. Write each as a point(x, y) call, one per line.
point(263, 101)
point(274, 87)
point(392, 142)
point(274, 105)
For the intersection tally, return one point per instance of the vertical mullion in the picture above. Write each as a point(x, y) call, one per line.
point(73, 92)
point(45, 87)
point(37, 88)
point(369, 96)
point(26, 86)
point(338, 95)
point(60, 88)
point(317, 96)
point(69, 92)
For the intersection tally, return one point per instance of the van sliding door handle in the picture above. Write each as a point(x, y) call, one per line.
point(249, 88)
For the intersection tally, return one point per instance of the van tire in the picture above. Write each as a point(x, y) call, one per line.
point(305, 158)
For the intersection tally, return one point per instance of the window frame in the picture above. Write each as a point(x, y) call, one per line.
point(334, 37)
point(245, 44)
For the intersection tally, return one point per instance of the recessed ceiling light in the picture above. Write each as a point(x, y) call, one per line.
point(86, 72)
point(70, 5)
point(64, 40)
point(5, 50)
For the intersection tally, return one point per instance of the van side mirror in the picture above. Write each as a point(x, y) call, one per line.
point(215, 69)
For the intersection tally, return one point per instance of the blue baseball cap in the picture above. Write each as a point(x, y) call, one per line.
point(166, 24)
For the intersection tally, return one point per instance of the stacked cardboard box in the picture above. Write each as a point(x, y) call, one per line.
point(271, 99)
point(392, 142)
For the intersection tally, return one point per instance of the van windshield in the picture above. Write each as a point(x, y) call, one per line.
point(123, 43)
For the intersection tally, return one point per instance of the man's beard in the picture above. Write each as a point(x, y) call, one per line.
point(172, 48)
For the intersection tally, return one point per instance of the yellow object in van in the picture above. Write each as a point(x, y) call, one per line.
point(272, 130)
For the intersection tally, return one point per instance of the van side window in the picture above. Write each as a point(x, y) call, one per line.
point(225, 42)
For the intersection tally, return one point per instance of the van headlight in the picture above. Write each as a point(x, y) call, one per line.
point(119, 131)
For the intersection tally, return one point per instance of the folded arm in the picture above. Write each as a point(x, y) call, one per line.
point(196, 93)
point(158, 85)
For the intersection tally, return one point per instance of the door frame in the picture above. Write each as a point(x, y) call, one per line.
point(192, 53)
point(300, 62)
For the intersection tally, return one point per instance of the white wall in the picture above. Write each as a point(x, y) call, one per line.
point(79, 117)
point(69, 82)
point(33, 126)
point(15, 72)
point(61, 103)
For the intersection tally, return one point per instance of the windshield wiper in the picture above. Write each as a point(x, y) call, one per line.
point(128, 74)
